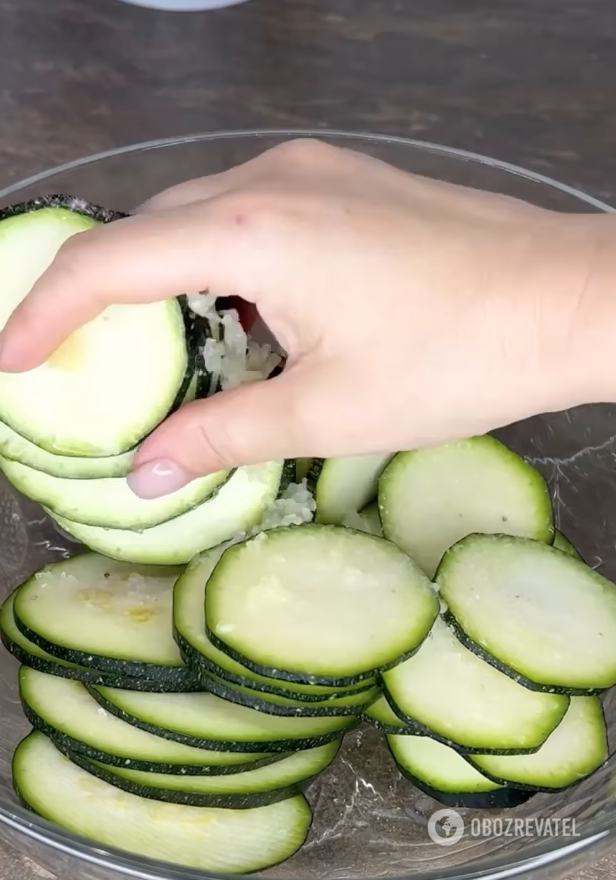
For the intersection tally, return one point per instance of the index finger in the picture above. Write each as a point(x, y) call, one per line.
point(143, 258)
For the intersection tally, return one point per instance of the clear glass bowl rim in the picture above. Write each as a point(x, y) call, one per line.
point(26, 823)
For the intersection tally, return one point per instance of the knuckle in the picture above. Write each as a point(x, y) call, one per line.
point(76, 247)
point(215, 447)
point(254, 209)
point(272, 198)
point(304, 152)
point(170, 197)
point(71, 260)
point(184, 193)
point(76, 270)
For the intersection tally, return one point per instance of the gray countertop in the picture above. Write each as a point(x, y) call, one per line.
point(530, 82)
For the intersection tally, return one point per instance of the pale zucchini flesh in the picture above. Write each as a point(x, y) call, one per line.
point(343, 486)
point(367, 520)
point(205, 658)
point(223, 841)
point(429, 499)
point(32, 655)
point(319, 604)
point(561, 542)
point(273, 704)
point(576, 749)
point(108, 502)
point(17, 448)
point(438, 765)
point(98, 612)
point(381, 715)
point(444, 775)
point(206, 721)
point(66, 712)
point(537, 613)
point(249, 788)
point(460, 699)
point(129, 361)
point(238, 507)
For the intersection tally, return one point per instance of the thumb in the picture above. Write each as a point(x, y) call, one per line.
point(254, 423)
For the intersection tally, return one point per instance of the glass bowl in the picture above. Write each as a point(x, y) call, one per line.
point(369, 822)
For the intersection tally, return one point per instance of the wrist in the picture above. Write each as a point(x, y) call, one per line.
point(575, 299)
point(591, 357)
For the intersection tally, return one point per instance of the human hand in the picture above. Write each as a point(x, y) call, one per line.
point(412, 311)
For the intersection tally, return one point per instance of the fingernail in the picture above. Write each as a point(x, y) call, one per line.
point(156, 478)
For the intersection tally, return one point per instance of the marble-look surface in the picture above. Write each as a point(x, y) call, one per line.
point(530, 82)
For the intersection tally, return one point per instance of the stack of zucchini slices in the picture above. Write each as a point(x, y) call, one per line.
point(189, 675)
point(502, 698)
point(69, 428)
point(146, 757)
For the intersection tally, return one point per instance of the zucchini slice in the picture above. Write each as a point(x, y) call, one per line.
point(106, 615)
point(191, 391)
point(361, 692)
point(250, 788)
point(576, 749)
point(17, 448)
point(31, 655)
point(87, 210)
point(302, 468)
point(209, 839)
point(561, 542)
point(343, 486)
point(380, 715)
point(460, 699)
point(206, 721)
point(272, 704)
point(318, 604)
point(65, 711)
point(535, 612)
point(371, 519)
point(108, 502)
point(130, 360)
point(445, 775)
point(367, 520)
point(197, 330)
point(208, 660)
point(431, 498)
point(238, 507)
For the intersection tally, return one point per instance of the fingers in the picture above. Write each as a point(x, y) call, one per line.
point(210, 186)
point(179, 241)
point(254, 423)
point(300, 155)
point(141, 259)
point(189, 192)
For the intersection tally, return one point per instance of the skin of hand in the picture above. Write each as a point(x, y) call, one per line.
point(412, 311)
